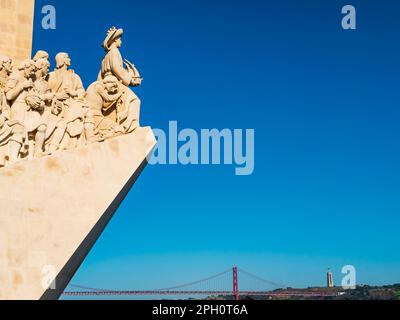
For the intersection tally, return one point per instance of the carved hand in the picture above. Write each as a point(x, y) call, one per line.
point(33, 102)
point(49, 96)
point(71, 93)
point(62, 96)
point(27, 84)
point(136, 82)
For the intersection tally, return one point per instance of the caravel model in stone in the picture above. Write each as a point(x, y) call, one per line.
point(68, 157)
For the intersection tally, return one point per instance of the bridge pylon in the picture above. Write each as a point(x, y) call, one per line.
point(235, 283)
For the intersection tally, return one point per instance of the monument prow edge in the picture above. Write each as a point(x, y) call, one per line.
point(56, 207)
point(70, 268)
point(68, 157)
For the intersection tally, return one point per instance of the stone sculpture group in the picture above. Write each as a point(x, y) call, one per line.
point(42, 113)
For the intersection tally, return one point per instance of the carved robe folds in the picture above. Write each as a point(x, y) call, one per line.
point(69, 90)
point(56, 126)
point(23, 109)
point(9, 130)
point(42, 113)
point(129, 110)
point(104, 107)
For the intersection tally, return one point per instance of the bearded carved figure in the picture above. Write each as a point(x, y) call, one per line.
point(105, 98)
point(27, 108)
point(42, 113)
point(52, 113)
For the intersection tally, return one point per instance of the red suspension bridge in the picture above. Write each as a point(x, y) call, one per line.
point(215, 285)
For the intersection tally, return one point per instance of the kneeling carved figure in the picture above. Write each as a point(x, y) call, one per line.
point(105, 98)
point(42, 113)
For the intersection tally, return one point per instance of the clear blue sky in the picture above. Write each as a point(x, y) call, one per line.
point(325, 106)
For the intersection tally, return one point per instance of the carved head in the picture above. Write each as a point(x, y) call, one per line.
point(42, 66)
point(41, 54)
point(6, 64)
point(62, 59)
point(111, 84)
point(28, 67)
point(118, 42)
point(113, 37)
point(57, 108)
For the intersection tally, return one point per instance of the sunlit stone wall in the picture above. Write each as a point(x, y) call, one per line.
point(16, 28)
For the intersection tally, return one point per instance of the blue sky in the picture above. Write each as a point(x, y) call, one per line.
point(324, 104)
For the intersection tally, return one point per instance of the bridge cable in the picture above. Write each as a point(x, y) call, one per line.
point(278, 285)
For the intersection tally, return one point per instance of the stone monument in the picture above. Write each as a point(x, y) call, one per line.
point(68, 157)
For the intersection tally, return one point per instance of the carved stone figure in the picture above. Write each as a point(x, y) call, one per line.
point(5, 71)
point(41, 81)
point(40, 55)
point(105, 98)
point(113, 64)
point(27, 107)
point(54, 208)
point(11, 132)
point(42, 113)
point(69, 90)
point(56, 126)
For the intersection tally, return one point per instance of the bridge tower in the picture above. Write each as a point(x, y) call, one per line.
point(235, 283)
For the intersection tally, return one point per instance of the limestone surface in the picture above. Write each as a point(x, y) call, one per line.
point(16, 28)
point(53, 209)
point(68, 156)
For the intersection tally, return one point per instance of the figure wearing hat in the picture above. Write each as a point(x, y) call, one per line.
point(113, 65)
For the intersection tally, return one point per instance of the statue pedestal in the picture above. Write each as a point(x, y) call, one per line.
point(53, 209)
